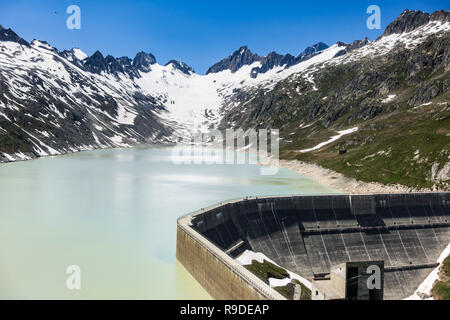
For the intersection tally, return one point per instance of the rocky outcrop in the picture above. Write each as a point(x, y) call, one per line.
point(242, 56)
point(273, 59)
point(98, 64)
point(9, 35)
point(183, 67)
point(309, 51)
point(442, 16)
point(71, 56)
point(128, 68)
point(95, 63)
point(142, 61)
point(352, 46)
point(407, 21)
point(411, 20)
point(440, 174)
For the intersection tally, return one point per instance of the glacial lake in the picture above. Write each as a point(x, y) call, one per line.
point(113, 213)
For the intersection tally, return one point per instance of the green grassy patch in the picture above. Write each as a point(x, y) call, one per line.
point(284, 291)
point(441, 290)
point(288, 291)
point(266, 270)
point(446, 266)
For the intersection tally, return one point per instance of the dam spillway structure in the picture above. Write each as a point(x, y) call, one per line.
point(309, 235)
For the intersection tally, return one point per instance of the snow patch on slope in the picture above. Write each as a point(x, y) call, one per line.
point(389, 98)
point(332, 139)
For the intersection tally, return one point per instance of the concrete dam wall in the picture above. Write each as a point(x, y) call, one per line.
point(215, 270)
point(310, 234)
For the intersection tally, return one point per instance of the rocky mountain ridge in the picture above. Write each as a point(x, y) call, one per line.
point(410, 20)
point(54, 102)
point(391, 98)
point(243, 56)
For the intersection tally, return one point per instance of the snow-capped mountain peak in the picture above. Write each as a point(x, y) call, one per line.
point(410, 20)
point(242, 56)
point(143, 61)
point(9, 35)
point(79, 54)
point(102, 101)
point(179, 65)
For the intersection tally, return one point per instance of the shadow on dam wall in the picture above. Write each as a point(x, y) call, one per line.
point(309, 234)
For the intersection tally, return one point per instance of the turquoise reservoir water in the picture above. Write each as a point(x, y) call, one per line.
point(113, 213)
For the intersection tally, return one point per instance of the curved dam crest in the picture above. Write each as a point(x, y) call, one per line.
point(310, 234)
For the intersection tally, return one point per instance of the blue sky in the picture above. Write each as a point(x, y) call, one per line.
point(201, 32)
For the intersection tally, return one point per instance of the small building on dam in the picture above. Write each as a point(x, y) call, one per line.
point(317, 237)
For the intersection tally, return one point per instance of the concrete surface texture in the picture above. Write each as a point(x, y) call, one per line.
point(310, 234)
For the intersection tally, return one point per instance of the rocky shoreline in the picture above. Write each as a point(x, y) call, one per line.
point(339, 182)
point(326, 177)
